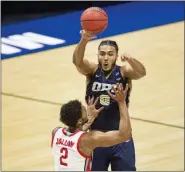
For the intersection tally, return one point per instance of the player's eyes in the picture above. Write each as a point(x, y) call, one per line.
point(109, 54)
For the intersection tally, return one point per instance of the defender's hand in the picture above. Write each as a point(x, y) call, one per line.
point(120, 94)
point(87, 35)
point(92, 111)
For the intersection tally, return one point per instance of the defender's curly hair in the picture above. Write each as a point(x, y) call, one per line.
point(71, 112)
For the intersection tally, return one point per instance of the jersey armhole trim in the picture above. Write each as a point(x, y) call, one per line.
point(88, 164)
point(78, 146)
point(53, 136)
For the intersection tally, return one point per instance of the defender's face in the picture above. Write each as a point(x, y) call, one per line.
point(107, 57)
point(84, 115)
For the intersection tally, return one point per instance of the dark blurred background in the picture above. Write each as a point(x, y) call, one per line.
point(18, 11)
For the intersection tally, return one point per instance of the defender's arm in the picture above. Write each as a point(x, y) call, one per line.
point(100, 139)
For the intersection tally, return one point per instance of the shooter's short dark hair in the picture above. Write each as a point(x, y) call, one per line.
point(109, 42)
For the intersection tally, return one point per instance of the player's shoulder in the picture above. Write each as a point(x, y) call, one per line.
point(92, 134)
point(92, 139)
point(85, 138)
point(55, 130)
point(53, 135)
point(95, 69)
point(122, 70)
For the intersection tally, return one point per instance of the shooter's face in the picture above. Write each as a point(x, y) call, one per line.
point(107, 57)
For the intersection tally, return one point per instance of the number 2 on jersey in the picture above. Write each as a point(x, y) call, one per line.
point(64, 156)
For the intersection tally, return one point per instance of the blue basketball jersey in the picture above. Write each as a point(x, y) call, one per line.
point(97, 86)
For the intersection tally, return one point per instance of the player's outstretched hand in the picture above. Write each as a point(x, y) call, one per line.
point(125, 58)
point(92, 111)
point(120, 94)
point(87, 35)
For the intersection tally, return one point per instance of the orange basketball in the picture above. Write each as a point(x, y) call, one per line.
point(94, 19)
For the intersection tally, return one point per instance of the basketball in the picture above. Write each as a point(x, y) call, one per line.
point(94, 20)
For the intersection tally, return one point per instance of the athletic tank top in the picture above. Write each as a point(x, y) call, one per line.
point(98, 86)
point(66, 152)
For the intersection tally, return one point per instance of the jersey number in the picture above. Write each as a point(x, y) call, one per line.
point(104, 100)
point(64, 156)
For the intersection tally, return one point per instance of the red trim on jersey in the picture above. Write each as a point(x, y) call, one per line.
point(88, 166)
point(53, 135)
point(65, 133)
point(78, 146)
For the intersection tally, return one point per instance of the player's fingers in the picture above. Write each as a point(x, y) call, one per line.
point(115, 90)
point(111, 95)
point(83, 32)
point(100, 109)
point(88, 101)
point(93, 37)
point(121, 86)
point(92, 100)
point(119, 93)
point(122, 58)
point(126, 89)
point(127, 57)
point(89, 33)
point(120, 89)
point(118, 85)
point(96, 101)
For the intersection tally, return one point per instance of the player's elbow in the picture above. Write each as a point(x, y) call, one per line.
point(125, 136)
point(74, 59)
point(139, 75)
point(142, 72)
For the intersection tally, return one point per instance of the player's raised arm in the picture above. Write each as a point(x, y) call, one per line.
point(82, 64)
point(135, 70)
point(100, 139)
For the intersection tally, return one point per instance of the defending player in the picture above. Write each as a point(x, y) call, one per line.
point(71, 145)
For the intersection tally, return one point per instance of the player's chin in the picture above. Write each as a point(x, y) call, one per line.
point(106, 68)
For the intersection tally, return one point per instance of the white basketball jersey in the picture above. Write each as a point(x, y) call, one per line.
point(66, 152)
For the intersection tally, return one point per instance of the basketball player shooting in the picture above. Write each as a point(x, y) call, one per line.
point(71, 146)
point(100, 79)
